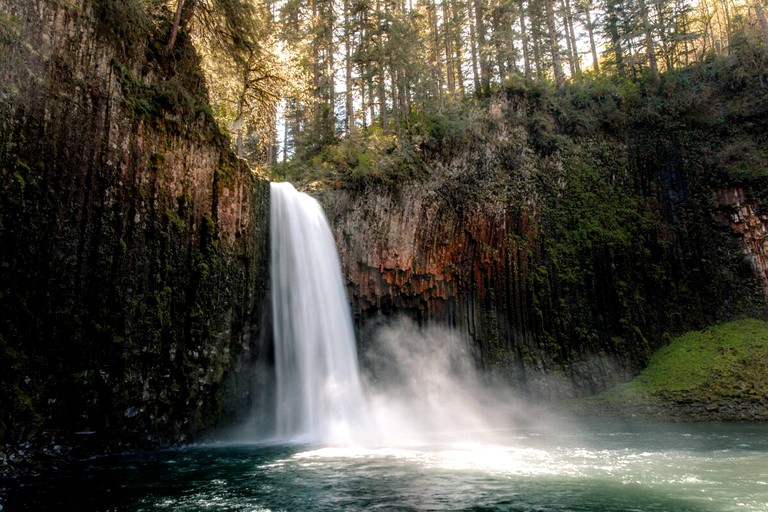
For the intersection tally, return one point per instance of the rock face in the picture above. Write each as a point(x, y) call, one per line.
point(565, 268)
point(415, 253)
point(487, 272)
point(478, 270)
point(133, 256)
point(747, 221)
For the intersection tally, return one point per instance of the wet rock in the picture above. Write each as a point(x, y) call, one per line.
point(131, 236)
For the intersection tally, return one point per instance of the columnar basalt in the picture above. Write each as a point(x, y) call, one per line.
point(133, 241)
point(566, 265)
point(748, 222)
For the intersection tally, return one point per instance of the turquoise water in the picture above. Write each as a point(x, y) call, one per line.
point(604, 468)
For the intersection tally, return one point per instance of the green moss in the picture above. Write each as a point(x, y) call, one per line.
point(171, 105)
point(175, 221)
point(140, 98)
point(164, 314)
point(9, 29)
point(721, 361)
point(125, 22)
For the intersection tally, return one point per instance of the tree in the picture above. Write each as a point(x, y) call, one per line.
point(762, 19)
point(246, 79)
point(369, 64)
point(554, 44)
point(650, 49)
point(175, 28)
point(524, 40)
point(613, 24)
point(586, 8)
point(245, 91)
point(481, 33)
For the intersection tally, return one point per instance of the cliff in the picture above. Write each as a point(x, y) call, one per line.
point(133, 253)
point(569, 234)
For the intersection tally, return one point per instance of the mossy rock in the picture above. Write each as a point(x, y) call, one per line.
point(716, 374)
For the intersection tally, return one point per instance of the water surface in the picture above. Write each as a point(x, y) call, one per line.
point(605, 468)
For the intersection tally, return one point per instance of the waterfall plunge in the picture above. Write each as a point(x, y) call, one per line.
point(425, 388)
point(319, 393)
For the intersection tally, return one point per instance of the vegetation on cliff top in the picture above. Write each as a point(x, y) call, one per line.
point(716, 105)
point(385, 66)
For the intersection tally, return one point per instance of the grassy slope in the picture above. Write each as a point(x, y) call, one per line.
point(720, 373)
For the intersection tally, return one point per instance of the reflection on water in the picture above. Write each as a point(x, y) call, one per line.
point(607, 468)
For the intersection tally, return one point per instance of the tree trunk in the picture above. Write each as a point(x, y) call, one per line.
point(762, 20)
point(330, 75)
point(381, 84)
point(569, 49)
point(473, 45)
point(482, 47)
point(448, 46)
point(612, 30)
point(436, 54)
point(591, 32)
point(175, 28)
point(524, 42)
point(650, 47)
point(536, 37)
point(728, 26)
point(498, 34)
point(572, 35)
point(349, 105)
point(285, 132)
point(456, 34)
point(316, 77)
point(394, 94)
point(667, 47)
point(554, 44)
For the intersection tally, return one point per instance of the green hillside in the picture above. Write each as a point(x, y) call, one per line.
point(719, 373)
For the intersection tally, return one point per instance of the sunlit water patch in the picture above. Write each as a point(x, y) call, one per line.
point(647, 468)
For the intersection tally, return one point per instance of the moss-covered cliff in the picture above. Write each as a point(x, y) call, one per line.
point(717, 374)
point(132, 260)
point(571, 232)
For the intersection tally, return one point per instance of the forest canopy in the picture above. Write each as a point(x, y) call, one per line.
point(290, 79)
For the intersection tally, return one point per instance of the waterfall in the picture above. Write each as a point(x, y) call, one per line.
point(319, 396)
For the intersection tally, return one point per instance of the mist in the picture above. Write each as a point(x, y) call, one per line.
point(423, 386)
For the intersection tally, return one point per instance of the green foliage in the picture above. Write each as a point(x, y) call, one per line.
point(9, 29)
point(439, 135)
point(725, 360)
point(365, 158)
point(175, 104)
point(245, 74)
point(229, 26)
point(127, 23)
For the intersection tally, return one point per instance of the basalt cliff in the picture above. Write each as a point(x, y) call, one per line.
point(570, 234)
point(133, 261)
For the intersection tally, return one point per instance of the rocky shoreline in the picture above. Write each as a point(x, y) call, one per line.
point(680, 410)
